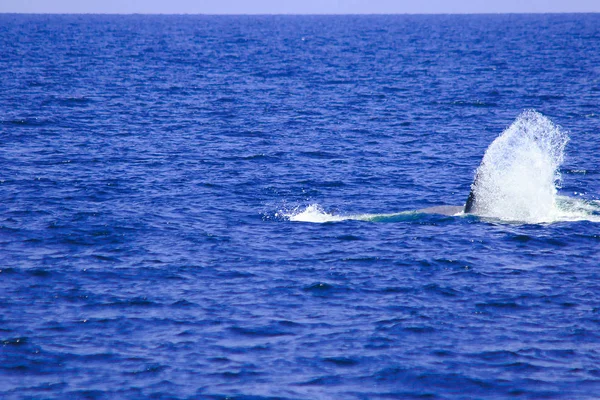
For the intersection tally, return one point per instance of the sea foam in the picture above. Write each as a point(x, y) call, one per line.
point(313, 213)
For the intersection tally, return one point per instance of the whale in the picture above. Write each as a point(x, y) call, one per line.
point(442, 210)
point(517, 180)
point(470, 205)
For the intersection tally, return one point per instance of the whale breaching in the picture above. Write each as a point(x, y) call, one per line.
point(518, 175)
point(517, 181)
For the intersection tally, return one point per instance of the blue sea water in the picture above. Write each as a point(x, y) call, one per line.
point(153, 168)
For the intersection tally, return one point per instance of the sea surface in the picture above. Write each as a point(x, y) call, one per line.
point(226, 207)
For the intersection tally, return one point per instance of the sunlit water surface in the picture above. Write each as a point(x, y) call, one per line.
point(160, 180)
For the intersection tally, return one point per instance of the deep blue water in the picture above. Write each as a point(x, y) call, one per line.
point(147, 165)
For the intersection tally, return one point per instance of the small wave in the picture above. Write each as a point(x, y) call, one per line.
point(26, 122)
point(475, 103)
point(576, 171)
point(69, 101)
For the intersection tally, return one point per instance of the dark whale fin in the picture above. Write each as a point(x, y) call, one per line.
point(470, 204)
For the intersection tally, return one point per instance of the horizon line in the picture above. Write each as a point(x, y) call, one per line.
point(302, 14)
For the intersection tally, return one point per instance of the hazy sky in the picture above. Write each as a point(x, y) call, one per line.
point(296, 6)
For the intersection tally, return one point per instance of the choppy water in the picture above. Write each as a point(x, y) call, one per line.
point(154, 172)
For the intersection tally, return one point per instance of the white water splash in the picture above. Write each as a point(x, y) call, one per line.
point(313, 213)
point(316, 214)
point(516, 182)
point(570, 209)
point(518, 176)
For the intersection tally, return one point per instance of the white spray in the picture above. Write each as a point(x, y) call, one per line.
point(518, 176)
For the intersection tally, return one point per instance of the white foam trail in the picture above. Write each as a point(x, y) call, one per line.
point(313, 213)
point(572, 209)
point(517, 178)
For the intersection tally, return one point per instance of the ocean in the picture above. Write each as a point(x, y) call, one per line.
point(240, 207)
